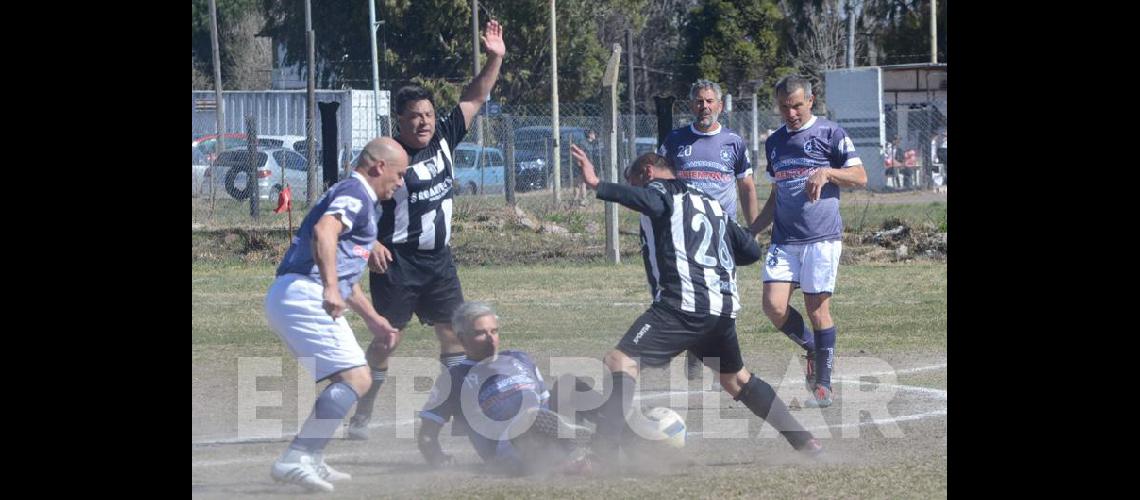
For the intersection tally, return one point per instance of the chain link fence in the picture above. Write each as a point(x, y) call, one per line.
point(915, 151)
point(515, 137)
point(523, 134)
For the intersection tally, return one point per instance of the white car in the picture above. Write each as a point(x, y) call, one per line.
point(230, 174)
point(291, 142)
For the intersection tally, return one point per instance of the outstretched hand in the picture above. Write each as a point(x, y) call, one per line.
point(588, 175)
point(493, 38)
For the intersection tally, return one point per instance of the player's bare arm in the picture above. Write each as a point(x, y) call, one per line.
point(325, 234)
point(377, 324)
point(379, 258)
point(584, 163)
point(472, 99)
point(767, 214)
point(746, 192)
point(745, 250)
point(853, 176)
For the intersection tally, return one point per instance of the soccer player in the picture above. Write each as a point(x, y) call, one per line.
point(413, 270)
point(690, 247)
point(317, 279)
point(713, 159)
point(809, 159)
point(492, 394)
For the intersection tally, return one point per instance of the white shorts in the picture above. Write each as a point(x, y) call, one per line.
point(293, 307)
point(812, 265)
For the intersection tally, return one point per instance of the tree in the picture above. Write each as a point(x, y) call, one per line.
point(815, 40)
point(735, 43)
point(242, 54)
point(900, 31)
point(429, 43)
point(659, 48)
point(581, 55)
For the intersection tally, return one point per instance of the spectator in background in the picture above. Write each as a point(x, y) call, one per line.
point(892, 160)
point(934, 164)
point(593, 150)
point(942, 157)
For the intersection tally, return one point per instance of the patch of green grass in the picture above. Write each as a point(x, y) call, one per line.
point(863, 216)
point(485, 231)
point(583, 309)
point(226, 212)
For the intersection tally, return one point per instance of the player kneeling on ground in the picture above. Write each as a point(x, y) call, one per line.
point(500, 400)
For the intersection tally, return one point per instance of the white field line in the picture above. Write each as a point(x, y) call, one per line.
point(646, 395)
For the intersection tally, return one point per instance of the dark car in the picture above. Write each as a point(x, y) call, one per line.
point(534, 155)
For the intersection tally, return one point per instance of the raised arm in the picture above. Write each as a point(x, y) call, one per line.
point(479, 88)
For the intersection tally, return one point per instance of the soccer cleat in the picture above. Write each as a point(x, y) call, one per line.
point(326, 472)
point(692, 366)
point(358, 428)
point(580, 463)
point(553, 426)
point(812, 448)
point(298, 468)
point(821, 397)
point(809, 371)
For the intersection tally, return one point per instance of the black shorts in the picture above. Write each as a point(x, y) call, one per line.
point(661, 333)
point(425, 283)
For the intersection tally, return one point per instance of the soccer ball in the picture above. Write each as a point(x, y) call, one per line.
point(665, 426)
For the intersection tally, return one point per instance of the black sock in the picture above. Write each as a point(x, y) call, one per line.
point(824, 355)
point(798, 331)
point(611, 416)
point(759, 397)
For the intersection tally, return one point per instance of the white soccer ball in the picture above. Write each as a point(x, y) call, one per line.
point(665, 426)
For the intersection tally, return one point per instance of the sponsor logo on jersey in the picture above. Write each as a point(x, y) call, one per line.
point(813, 145)
point(640, 333)
point(793, 173)
point(701, 175)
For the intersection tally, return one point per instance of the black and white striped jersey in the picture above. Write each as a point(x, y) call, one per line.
point(689, 245)
point(418, 217)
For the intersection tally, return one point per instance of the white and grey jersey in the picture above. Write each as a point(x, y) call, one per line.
point(690, 247)
point(418, 217)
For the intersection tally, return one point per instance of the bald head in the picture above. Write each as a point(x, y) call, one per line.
point(381, 148)
point(383, 162)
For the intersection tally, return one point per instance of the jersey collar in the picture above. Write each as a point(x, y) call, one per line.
point(719, 127)
point(806, 125)
point(367, 186)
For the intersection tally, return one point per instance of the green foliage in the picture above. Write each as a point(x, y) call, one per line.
point(902, 29)
point(735, 42)
point(429, 42)
point(228, 12)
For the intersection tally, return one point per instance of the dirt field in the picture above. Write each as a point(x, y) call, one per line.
point(886, 436)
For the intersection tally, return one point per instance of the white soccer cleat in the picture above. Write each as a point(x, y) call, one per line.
point(298, 468)
point(326, 472)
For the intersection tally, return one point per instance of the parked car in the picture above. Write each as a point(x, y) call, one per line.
point(198, 166)
point(533, 155)
point(473, 169)
point(231, 173)
point(293, 142)
point(644, 145)
point(207, 144)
